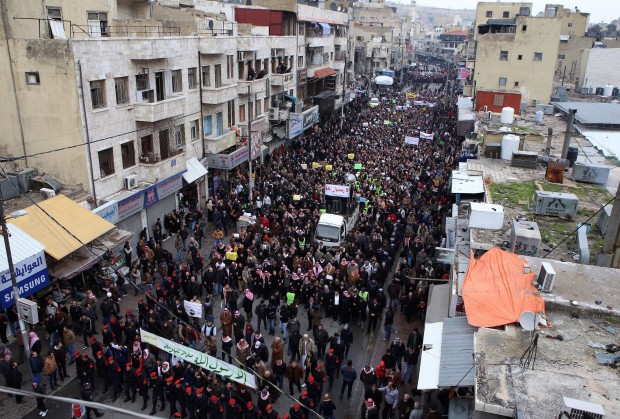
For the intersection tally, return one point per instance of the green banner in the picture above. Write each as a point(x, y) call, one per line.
point(358, 166)
point(195, 357)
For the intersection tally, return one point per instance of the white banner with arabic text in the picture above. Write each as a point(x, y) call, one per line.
point(193, 309)
point(341, 191)
point(195, 357)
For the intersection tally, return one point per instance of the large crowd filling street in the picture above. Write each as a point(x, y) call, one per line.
point(272, 281)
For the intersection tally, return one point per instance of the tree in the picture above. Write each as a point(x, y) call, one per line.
point(596, 28)
point(611, 27)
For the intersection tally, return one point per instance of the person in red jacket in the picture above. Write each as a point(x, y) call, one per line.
point(380, 370)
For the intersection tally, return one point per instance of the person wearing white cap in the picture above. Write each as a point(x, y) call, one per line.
point(306, 344)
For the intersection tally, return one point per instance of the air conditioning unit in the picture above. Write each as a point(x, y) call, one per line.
point(47, 193)
point(578, 409)
point(241, 56)
point(546, 276)
point(146, 96)
point(274, 114)
point(131, 182)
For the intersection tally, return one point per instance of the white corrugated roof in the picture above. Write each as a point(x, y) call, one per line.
point(195, 170)
point(465, 184)
point(22, 247)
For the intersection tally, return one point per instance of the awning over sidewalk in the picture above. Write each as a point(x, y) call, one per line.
point(438, 303)
point(324, 72)
point(195, 170)
point(457, 348)
point(62, 225)
point(76, 263)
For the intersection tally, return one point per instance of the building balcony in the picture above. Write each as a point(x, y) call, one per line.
point(215, 144)
point(217, 45)
point(216, 95)
point(281, 79)
point(158, 168)
point(156, 111)
point(256, 86)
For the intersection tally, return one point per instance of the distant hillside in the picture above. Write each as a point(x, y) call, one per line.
point(443, 17)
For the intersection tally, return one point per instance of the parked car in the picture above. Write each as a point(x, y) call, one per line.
point(374, 102)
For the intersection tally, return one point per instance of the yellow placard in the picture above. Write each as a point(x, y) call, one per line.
point(296, 197)
point(231, 255)
point(351, 156)
point(315, 165)
point(328, 167)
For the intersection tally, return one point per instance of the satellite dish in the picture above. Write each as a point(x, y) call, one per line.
point(333, 6)
point(351, 178)
point(527, 320)
point(210, 24)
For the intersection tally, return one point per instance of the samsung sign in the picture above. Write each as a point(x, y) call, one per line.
point(32, 275)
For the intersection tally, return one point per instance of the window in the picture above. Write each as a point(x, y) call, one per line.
point(524, 11)
point(208, 125)
point(98, 24)
point(106, 162)
point(128, 153)
point(570, 24)
point(502, 81)
point(219, 123)
point(538, 56)
point(524, 28)
point(54, 13)
point(230, 67)
point(32, 78)
point(241, 113)
point(300, 61)
point(489, 13)
point(503, 55)
point(516, 84)
point(258, 108)
point(231, 113)
point(498, 100)
point(142, 81)
point(519, 57)
point(506, 15)
point(193, 129)
point(164, 144)
point(97, 94)
point(251, 111)
point(147, 153)
point(191, 78)
point(120, 89)
point(177, 81)
point(561, 56)
point(265, 105)
point(179, 135)
point(206, 75)
point(218, 75)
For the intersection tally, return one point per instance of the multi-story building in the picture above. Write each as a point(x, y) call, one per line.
point(132, 99)
point(515, 55)
point(380, 36)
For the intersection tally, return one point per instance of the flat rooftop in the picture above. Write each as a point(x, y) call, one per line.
point(561, 369)
point(601, 115)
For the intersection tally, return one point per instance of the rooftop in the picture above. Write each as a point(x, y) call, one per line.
point(593, 114)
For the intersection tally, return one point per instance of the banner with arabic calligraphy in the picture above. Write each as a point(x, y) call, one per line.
point(426, 136)
point(341, 191)
point(195, 357)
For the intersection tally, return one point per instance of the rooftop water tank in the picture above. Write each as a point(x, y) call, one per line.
point(508, 115)
point(510, 143)
point(608, 90)
point(540, 116)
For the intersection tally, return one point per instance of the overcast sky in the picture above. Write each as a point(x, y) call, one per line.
point(600, 10)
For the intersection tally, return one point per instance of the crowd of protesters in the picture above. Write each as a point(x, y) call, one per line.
point(280, 281)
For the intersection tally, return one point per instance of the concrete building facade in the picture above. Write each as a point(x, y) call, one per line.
point(515, 55)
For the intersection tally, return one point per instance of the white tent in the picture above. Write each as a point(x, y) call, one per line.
point(384, 80)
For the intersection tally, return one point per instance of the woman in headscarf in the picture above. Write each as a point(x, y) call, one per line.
point(35, 343)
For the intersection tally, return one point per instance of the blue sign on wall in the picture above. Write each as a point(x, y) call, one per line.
point(32, 275)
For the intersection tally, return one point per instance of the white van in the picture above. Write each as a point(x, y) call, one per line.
point(332, 229)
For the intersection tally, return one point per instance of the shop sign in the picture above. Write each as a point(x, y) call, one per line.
point(31, 274)
point(108, 211)
point(169, 186)
point(131, 205)
point(228, 161)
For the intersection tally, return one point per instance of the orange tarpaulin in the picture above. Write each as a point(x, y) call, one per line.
point(496, 291)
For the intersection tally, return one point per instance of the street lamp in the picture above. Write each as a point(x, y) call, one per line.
point(9, 257)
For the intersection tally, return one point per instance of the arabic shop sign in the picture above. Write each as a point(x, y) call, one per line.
point(341, 191)
point(31, 274)
point(108, 211)
point(200, 359)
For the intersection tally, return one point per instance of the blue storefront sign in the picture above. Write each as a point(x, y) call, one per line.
point(32, 275)
point(149, 196)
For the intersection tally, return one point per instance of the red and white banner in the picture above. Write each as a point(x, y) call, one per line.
point(341, 191)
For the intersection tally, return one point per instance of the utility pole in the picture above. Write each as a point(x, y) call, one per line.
point(569, 131)
point(549, 139)
point(344, 85)
point(250, 198)
point(9, 257)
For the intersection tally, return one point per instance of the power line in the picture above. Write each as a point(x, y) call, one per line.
point(9, 159)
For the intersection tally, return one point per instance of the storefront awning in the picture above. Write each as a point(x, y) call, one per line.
point(114, 239)
point(76, 263)
point(195, 170)
point(22, 247)
point(45, 222)
point(324, 72)
point(326, 28)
